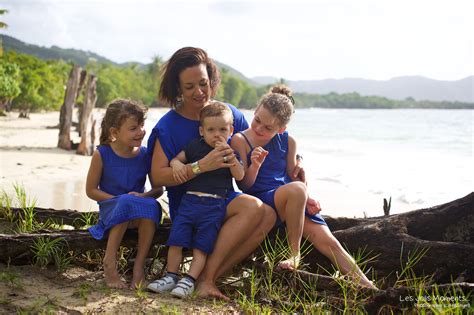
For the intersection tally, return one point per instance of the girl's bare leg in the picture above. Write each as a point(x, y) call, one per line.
point(243, 230)
point(290, 201)
point(146, 231)
point(323, 240)
point(112, 277)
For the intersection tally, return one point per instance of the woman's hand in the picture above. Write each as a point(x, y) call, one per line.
point(312, 206)
point(180, 172)
point(258, 156)
point(217, 158)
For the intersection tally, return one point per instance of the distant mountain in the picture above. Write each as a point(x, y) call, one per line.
point(417, 87)
point(81, 57)
point(399, 88)
point(235, 72)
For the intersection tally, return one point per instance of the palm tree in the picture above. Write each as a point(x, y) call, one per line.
point(2, 25)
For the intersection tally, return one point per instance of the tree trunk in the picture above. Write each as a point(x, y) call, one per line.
point(445, 231)
point(90, 97)
point(65, 115)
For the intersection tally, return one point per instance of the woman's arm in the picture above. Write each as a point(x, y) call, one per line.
point(162, 173)
point(93, 179)
point(291, 156)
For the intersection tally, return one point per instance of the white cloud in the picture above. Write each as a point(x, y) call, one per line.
point(290, 39)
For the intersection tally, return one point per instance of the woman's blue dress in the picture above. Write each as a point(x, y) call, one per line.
point(119, 177)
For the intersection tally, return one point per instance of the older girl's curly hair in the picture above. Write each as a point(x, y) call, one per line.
point(279, 101)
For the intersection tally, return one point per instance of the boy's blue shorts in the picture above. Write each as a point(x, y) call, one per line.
point(268, 197)
point(197, 222)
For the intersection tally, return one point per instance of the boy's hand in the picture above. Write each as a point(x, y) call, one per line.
point(258, 156)
point(180, 172)
point(312, 206)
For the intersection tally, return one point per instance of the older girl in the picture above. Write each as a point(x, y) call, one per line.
point(268, 153)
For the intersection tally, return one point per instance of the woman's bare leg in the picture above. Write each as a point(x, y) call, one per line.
point(146, 231)
point(112, 277)
point(242, 231)
point(246, 248)
point(325, 242)
point(290, 201)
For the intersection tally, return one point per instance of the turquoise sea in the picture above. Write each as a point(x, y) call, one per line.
point(356, 157)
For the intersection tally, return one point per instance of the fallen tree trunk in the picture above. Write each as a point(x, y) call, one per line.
point(17, 248)
point(445, 231)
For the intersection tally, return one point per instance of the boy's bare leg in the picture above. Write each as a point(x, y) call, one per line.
point(197, 265)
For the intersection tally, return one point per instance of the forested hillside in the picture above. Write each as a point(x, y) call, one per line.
point(33, 78)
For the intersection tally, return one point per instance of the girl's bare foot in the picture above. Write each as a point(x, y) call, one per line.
point(291, 263)
point(138, 279)
point(112, 278)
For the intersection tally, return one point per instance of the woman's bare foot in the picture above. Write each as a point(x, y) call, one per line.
point(209, 290)
point(138, 280)
point(291, 263)
point(112, 278)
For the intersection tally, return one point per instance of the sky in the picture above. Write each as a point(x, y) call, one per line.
point(291, 39)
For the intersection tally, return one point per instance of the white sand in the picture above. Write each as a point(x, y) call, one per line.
point(29, 157)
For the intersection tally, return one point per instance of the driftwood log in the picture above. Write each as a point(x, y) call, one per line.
point(445, 231)
point(86, 146)
point(65, 113)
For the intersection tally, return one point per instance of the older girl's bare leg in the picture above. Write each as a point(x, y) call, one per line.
point(244, 224)
point(290, 201)
point(325, 242)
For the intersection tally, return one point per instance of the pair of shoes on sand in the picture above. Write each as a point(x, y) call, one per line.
point(181, 289)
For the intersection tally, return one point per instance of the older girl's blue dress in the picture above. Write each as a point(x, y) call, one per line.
point(119, 177)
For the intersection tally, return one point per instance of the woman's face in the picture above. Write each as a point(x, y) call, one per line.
point(195, 87)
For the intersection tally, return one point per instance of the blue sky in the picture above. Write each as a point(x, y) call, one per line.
point(296, 40)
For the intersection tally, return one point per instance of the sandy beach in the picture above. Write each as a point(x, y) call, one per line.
point(29, 157)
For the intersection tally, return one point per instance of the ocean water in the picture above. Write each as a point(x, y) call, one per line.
point(354, 158)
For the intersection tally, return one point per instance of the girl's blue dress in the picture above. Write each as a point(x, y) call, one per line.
point(119, 177)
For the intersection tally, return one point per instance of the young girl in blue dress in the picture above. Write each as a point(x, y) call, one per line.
point(116, 180)
point(268, 154)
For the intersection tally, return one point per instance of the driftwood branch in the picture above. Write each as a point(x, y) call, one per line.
point(445, 231)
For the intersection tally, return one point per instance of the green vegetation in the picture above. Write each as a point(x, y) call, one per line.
point(354, 100)
point(36, 78)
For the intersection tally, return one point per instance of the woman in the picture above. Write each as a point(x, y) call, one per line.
point(189, 81)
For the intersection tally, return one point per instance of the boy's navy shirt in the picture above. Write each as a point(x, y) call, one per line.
point(217, 182)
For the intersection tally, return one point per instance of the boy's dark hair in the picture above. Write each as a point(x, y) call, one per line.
point(279, 101)
point(117, 112)
point(182, 59)
point(215, 109)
